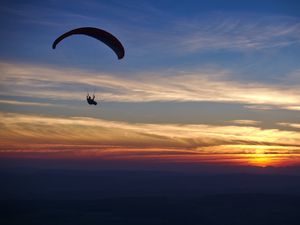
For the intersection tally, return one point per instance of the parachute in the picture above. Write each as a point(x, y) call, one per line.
point(101, 35)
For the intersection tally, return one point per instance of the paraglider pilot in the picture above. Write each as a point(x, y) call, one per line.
point(91, 100)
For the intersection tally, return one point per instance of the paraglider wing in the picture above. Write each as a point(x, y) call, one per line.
point(99, 34)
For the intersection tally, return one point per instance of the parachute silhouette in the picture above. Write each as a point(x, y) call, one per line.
point(101, 35)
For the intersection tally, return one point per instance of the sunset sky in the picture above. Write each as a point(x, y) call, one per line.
point(203, 83)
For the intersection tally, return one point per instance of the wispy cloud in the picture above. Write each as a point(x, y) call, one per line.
point(122, 139)
point(213, 86)
point(12, 102)
point(238, 33)
point(259, 107)
point(215, 32)
point(192, 135)
point(294, 125)
point(246, 122)
point(297, 108)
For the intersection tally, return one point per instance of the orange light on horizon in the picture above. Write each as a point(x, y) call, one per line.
point(83, 137)
point(215, 156)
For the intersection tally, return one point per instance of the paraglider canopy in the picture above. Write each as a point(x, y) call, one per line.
point(101, 35)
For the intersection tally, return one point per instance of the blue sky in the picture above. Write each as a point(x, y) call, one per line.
point(212, 63)
point(230, 35)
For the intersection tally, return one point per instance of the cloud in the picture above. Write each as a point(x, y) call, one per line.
point(12, 102)
point(260, 107)
point(163, 86)
point(297, 108)
point(239, 33)
point(89, 137)
point(294, 125)
point(213, 32)
point(85, 129)
point(246, 122)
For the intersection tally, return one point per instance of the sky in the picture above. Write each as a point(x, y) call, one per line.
point(202, 82)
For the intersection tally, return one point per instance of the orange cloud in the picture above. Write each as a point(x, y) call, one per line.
point(82, 137)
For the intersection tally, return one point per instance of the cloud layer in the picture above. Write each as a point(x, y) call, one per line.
point(212, 86)
point(103, 138)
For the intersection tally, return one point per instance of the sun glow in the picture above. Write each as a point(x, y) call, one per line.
point(194, 143)
point(260, 159)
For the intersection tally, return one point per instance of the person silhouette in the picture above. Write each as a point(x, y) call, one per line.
point(90, 100)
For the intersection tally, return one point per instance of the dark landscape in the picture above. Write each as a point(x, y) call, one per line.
point(43, 196)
